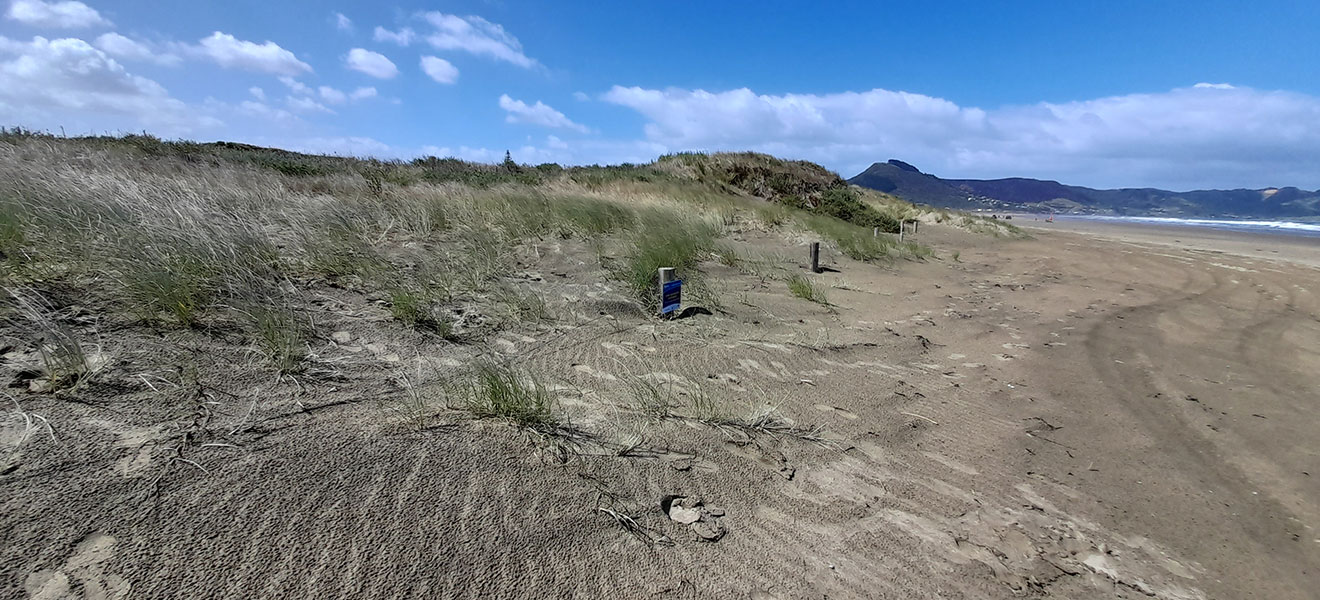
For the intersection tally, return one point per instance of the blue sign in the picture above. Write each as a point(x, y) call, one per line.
point(670, 296)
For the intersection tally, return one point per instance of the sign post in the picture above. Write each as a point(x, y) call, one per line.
point(671, 291)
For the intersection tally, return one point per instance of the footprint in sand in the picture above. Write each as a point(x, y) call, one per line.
point(87, 568)
point(593, 372)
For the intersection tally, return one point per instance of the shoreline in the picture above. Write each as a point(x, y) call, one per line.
point(1272, 245)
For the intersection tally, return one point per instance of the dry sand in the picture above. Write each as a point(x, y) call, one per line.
point(1069, 416)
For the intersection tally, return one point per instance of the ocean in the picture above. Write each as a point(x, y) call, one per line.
point(1256, 226)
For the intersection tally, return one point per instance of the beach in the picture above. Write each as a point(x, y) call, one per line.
point(1102, 412)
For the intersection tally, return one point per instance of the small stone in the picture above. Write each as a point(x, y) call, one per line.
point(341, 337)
point(686, 516)
point(709, 531)
point(715, 512)
point(40, 386)
point(376, 348)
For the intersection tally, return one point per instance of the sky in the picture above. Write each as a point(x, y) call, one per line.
point(1120, 93)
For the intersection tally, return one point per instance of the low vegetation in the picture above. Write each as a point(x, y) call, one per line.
point(501, 392)
point(805, 289)
point(221, 243)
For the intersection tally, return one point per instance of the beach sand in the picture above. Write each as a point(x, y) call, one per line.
point(1120, 413)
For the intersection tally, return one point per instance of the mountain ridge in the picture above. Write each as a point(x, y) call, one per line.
point(906, 181)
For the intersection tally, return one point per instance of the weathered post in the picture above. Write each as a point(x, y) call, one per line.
point(902, 224)
point(666, 275)
point(915, 225)
point(815, 257)
point(875, 232)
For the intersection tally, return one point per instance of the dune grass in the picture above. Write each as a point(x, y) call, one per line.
point(806, 289)
point(501, 392)
point(66, 362)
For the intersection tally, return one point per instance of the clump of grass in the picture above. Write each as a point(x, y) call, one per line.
point(278, 333)
point(592, 216)
point(522, 306)
point(807, 290)
point(501, 392)
point(416, 309)
point(651, 399)
point(706, 408)
point(727, 254)
point(665, 242)
point(65, 363)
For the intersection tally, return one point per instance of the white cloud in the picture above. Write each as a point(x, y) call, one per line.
point(1192, 137)
point(257, 93)
point(1215, 86)
point(125, 48)
point(232, 53)
point(263, 110)
point(343, 23)
point(581, 96)
point(58, 15)
point(295, 86)
point(307, 105)
point(371, 63)
point(331, 95)
point(439, 69)
point(362, 93)
point(477, 36)
point(537, 114)
point(48, 83)
point(402, 37)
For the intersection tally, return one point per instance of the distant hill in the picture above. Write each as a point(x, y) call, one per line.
point(1035, 195)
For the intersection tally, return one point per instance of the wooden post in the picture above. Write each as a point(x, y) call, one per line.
point(666, 275)
point(901, 226)
point(915, 225)
point(875, 232)
point(815, 257)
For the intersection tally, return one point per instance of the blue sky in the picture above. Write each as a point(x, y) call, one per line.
point(1179, 95)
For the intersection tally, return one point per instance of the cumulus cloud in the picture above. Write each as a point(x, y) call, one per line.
point(402, 37)
point(265, 111)
point(343, 23)
point(370, 63)
point(475, 35)
point(232, 53)
point(439, 69)
point(295, 86)
point(56, 15)
point(125, 48)
point(362, 93)
point(257, 93)
point(331, 95)
point(306, 105)
point(537, 114)
point(1199, 136)
point(48, 83)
